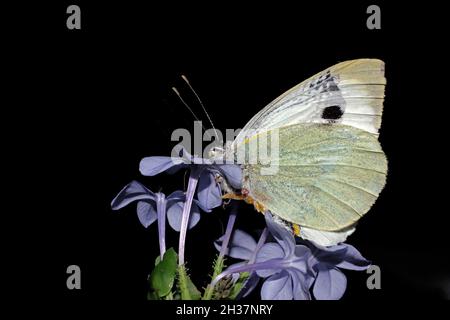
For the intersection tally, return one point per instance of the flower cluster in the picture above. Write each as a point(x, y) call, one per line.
point(286, 267)
point(290, 269)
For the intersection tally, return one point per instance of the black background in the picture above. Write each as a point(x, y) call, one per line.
point(92, 102)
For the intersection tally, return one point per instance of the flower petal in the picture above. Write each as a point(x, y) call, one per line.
point(176, 196)
point(325, 238)
point(174, 216)
point(131, 192)
point(242, 245)
point(284, 237)
point(209, 193)
point(232, 173)
point(200, 205)
point(301, 284)
point(326, 255)
point(189, 158)
point(330, 284)
point(353, 260)
point(268, 251)
point(194, 217)
point(300, 260)
point(218, 243)
point(146, 213)
point(277, 287)
point(151, 166)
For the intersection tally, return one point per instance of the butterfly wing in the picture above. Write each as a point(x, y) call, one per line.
point(349, 93)
point(327, 176)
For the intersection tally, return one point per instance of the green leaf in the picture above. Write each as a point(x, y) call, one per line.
point(187, 288)
point(157, 260)
point(163, 275)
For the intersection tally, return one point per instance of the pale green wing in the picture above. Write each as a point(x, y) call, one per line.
point(328, 175)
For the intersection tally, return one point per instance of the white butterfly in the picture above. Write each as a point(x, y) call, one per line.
point(332, 168)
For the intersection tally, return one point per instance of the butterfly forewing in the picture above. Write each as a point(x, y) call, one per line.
point(355, 87)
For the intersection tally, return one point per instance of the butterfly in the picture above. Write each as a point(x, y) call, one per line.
point(330, 165)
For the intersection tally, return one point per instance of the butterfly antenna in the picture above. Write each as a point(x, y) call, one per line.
point(201, 104)
point(184, 102)
point(186, 105)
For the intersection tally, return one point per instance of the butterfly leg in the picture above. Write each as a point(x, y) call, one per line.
point(296, 229)
point(258, 206)
point(233, 196)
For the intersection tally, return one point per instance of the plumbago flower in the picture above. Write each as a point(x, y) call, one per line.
point(154, 206)
point(289, 270)
point(203, 172)
point(283, 265)
point(330, 283)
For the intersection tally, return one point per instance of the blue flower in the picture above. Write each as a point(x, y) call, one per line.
point(330, 283)
point(283, 264)
point(203, 172)
point(290, 277)
point(154, 206)
point(241, 246)
point(206, 171)
point(290, 270)
point(149, 203)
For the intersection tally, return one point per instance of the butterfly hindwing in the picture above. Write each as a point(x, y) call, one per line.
point(328, 175)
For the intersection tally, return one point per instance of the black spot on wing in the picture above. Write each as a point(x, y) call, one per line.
point(332, 113)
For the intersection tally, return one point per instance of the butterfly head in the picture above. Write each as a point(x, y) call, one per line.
point(216, 152)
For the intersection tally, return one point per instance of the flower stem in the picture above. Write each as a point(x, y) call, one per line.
point(218, 265)
point(261, 241)
point(192, 185)
point(229, 229)
point(269, 264)
point(161, 210)
point(187, 288)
